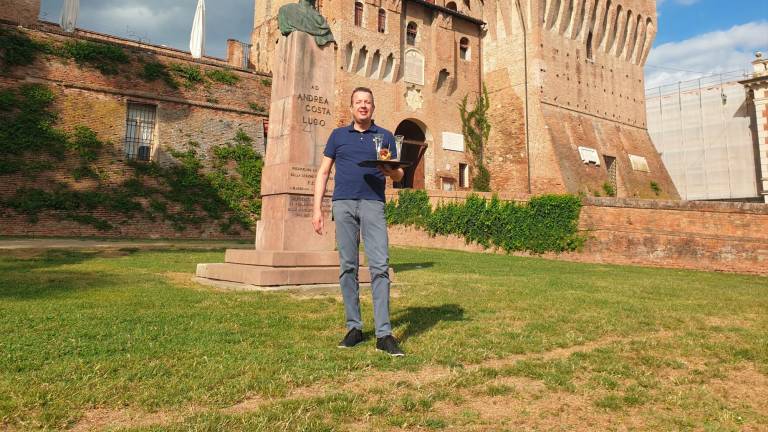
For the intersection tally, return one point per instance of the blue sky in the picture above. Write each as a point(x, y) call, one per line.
point(695, 37)
point(700, 37)
point(680, 20)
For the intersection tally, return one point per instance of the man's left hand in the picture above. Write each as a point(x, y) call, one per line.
point(395, 173)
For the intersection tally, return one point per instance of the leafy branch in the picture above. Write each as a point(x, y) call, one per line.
point(476, 128)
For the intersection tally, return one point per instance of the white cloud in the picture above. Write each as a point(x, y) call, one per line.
point(708, 53)
point(167, 22)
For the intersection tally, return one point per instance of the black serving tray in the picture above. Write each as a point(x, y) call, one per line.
point(390, 163)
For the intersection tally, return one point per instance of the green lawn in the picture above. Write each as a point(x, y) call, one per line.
point(122, 339)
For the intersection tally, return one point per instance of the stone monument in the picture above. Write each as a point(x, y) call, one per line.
point(288, 251)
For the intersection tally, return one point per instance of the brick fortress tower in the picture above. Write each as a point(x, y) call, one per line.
point(565, 81)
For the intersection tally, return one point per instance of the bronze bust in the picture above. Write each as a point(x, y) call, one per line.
point(302, 16)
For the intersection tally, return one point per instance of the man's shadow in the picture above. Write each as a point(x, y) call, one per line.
point(417, 320)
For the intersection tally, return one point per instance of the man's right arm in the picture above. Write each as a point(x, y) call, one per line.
point(320, 181)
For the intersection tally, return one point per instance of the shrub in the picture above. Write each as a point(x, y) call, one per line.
point(154, 71)
point(257, 108)
point(106, 58)
point(411, 208)
point(544, 224)
point(26, 125)
point(609, 189)
point(223, 76)
point(17, 49)
point(191, 74)
point(655, 188)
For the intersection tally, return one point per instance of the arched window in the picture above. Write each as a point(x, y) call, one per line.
point(382, 24)
point(590, 54)
point(359, 14)
point(464, 48)
point(410, 33)
point(466, 5)
point(451, 5)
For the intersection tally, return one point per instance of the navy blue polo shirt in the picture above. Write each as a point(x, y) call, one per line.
point(348, 147)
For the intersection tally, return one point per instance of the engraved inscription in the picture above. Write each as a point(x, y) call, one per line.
point(317, 110)
point(301, 206)
point(302, 179)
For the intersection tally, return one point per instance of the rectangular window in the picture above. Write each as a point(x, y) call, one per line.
point(382, 24)
point(139, 131)
point(463, 175)
point(358, 14)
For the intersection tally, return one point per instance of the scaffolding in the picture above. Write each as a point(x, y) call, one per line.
point(702, 129)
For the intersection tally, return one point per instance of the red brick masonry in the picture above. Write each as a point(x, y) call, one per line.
point(711, 236)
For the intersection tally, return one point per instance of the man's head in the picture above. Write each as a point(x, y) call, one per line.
point(361, 105)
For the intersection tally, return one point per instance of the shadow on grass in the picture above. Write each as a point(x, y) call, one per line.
point(33, 274)
point(411, 266)
point(25, 260)
point(418, 320)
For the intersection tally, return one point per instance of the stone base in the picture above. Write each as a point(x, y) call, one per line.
point(278, 268)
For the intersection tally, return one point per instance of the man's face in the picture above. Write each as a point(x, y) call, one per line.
point(362, 107)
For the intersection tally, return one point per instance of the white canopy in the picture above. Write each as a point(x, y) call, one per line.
point(197, 39)
point(69, 15)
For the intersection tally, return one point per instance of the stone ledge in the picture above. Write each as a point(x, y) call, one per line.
point(699, 206)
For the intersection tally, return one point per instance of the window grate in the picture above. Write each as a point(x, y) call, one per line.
point(139, 131)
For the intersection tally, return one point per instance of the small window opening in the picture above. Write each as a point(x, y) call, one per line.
point(358, 14)
point(442, 77)
point(410, 33)
point(464, 48)
point(139, 131)
point(463, 175)
point(382, 24)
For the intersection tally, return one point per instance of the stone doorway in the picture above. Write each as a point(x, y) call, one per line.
point(414, 147)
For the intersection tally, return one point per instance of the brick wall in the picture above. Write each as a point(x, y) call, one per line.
point(710, 236)
point(22, 12)
point(209, 114)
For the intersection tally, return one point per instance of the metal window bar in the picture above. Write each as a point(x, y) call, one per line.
point(139, 131)
point(246, 54)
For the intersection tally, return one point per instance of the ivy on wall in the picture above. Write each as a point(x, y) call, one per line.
point(547, 223)
point(476, 127)
point(26, 126)
point(18, 49)
point(184, 193)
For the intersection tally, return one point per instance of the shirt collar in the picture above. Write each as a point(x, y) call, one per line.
point(373, 128)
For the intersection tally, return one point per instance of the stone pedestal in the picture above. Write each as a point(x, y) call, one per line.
point(288, 251)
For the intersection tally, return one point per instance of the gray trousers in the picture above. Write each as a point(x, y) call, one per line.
point(367, 216)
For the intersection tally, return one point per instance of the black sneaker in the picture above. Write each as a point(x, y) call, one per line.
point(354, 336)
point(388, 344)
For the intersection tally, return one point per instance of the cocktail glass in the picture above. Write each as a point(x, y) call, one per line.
point(382, 148)
point(399, 146)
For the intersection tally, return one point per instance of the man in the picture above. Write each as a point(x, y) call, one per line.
point(358, 205)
